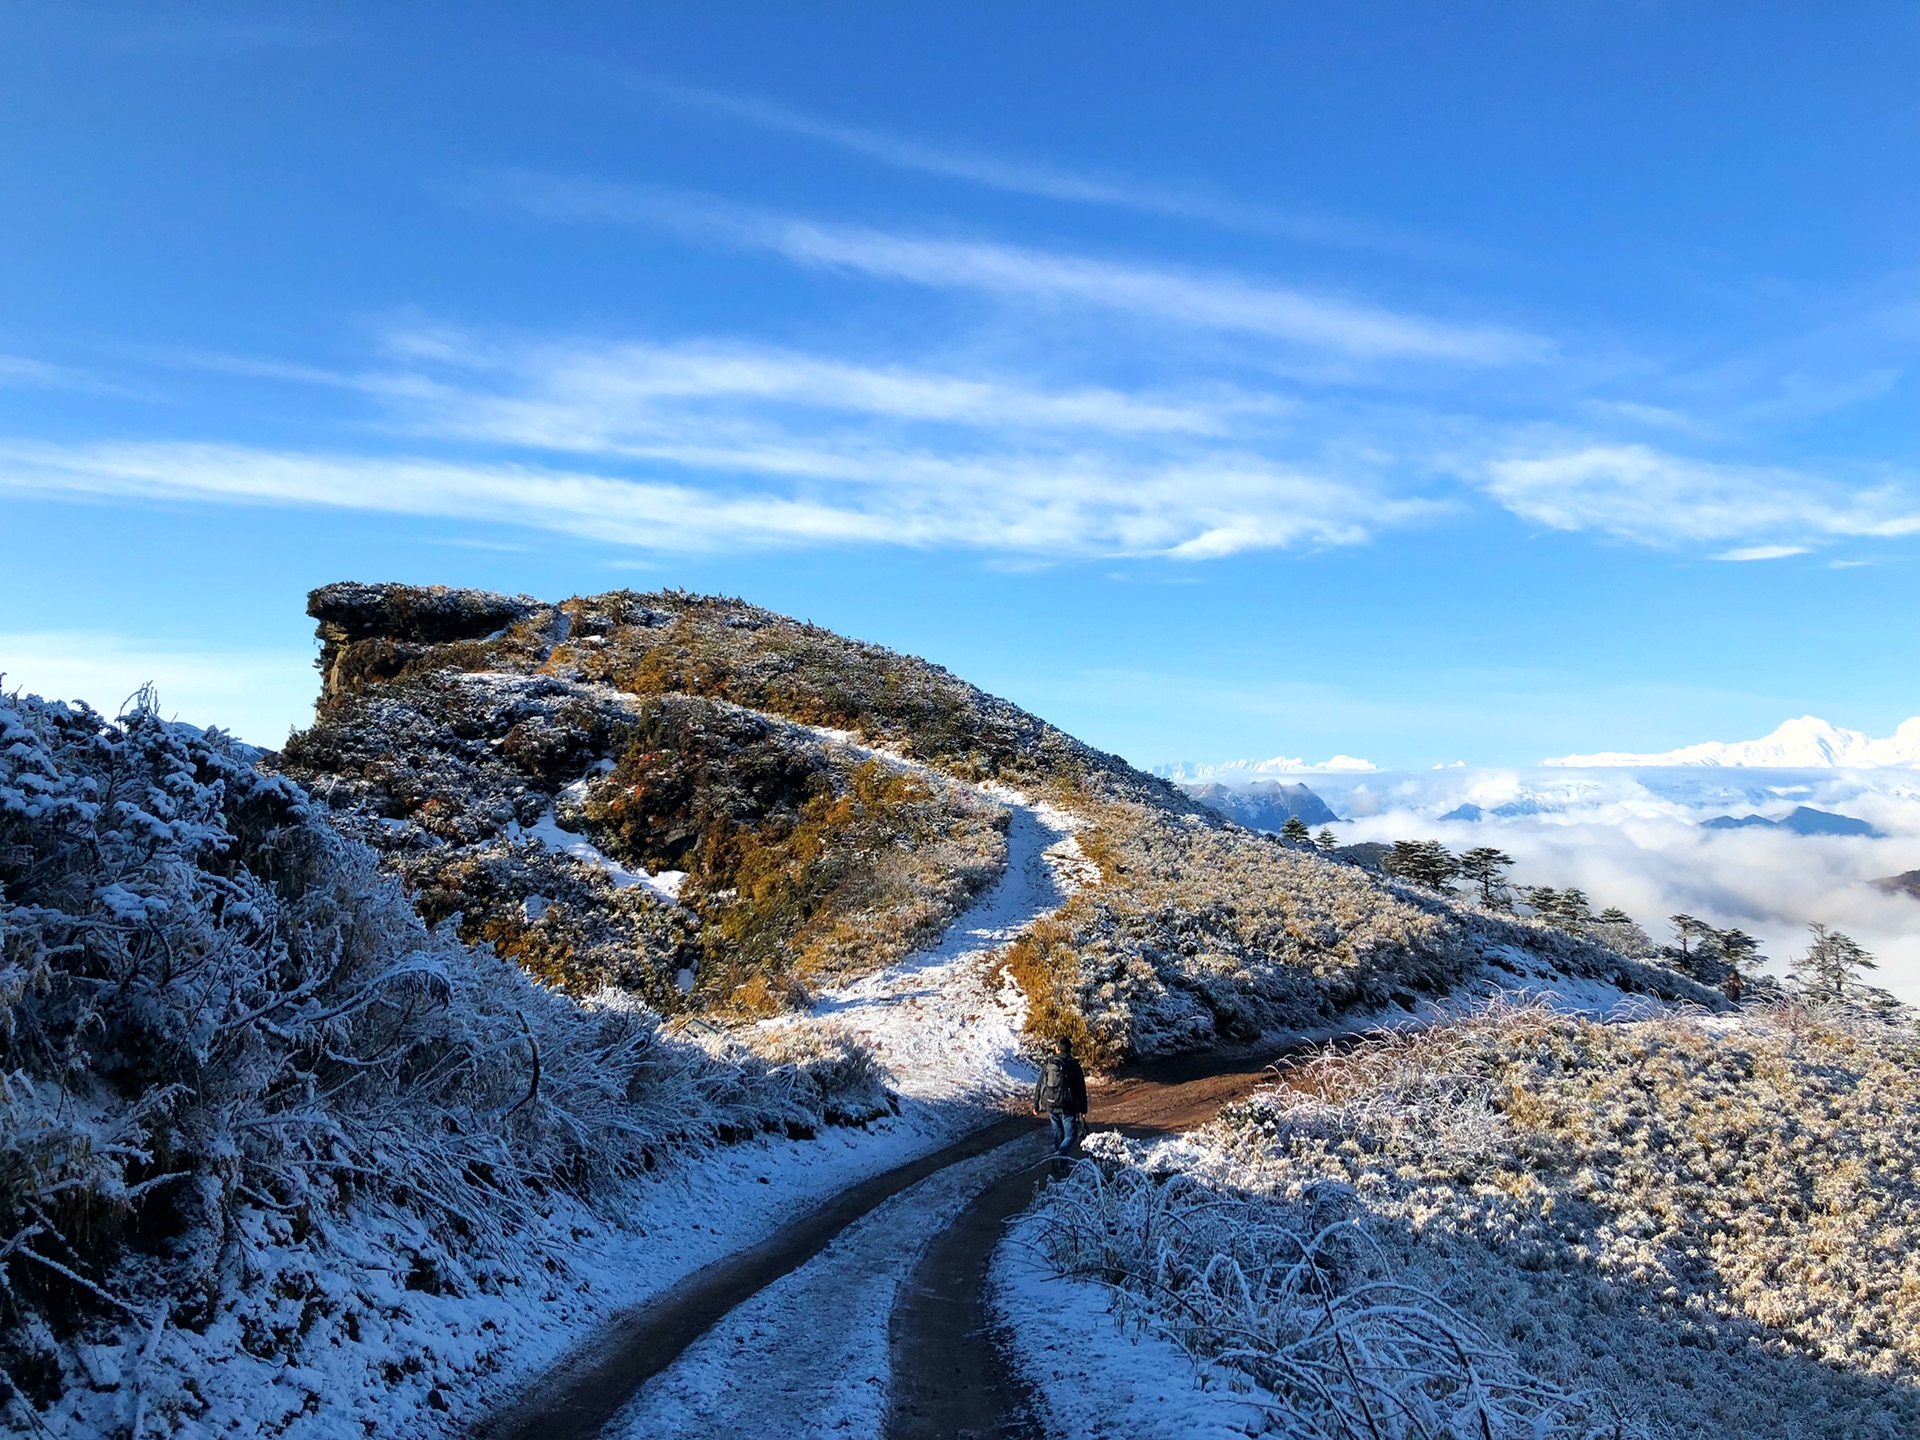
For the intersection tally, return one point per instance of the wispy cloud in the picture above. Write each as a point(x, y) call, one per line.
point(1639, 493)
point(1049, 182)
point(586, 396)
point(1200, 299)
point(1066, 505)
point(21, 370)
point(715, 445)
point(1762, 552)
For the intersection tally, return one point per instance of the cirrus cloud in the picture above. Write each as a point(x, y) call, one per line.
point(1063, 505)
point(1194, 298)
point(1639, 493)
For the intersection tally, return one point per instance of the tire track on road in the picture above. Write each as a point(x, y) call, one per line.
point(950, 1374)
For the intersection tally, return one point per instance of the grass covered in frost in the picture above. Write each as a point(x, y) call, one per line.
point(1685, 1227)
point(243, 1087)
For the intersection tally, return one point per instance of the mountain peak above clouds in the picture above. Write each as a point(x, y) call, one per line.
point(1240, 772)
point(1808, 743)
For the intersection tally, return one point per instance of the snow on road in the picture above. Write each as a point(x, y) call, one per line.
point(807, 1356)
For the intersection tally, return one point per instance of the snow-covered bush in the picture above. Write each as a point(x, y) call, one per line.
point(1203, 933)
point(1710, 1222)
point(1331, 1338)
point(227, 1041)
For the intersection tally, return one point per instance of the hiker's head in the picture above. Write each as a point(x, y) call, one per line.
point(1063, 1046)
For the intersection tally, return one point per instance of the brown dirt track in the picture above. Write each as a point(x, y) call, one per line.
point(949, 1378)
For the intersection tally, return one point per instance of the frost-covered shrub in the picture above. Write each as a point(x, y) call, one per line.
point(1202, 933)
point(1321, 1328)
point(1712, 1223)
point(830, 1070)
point(227, 1042)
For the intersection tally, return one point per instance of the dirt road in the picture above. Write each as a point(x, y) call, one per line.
point(950, 1377)
point(576, 1399)
point(947, 1378)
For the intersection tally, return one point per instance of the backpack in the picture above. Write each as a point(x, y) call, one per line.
point(1053, 1082)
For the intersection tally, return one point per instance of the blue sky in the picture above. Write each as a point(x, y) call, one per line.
point(1422, 383)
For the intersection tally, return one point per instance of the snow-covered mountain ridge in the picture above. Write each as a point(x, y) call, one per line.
point(1808, 743)
point(344, 1084)
point(1240, 772)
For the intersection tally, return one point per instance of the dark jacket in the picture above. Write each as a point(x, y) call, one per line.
point(1062, 1087)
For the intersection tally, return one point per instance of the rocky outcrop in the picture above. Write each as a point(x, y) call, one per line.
point(374, 632)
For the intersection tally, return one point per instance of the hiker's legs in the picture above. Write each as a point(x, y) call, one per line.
point(1062, 1130)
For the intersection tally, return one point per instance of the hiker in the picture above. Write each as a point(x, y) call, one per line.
point(1062, 1093)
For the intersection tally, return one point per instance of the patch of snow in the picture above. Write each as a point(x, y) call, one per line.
point(1515, 974)
point(808, 1356)
point(1090, 1379)
point(547, 831)
point(941, 1021)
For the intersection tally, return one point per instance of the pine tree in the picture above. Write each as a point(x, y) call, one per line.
point(1571, 912)
point(1740, 950)
point(1487, 867)
point(1826, 971)
point(1295, 831)
point(1688, 929)
point(1325, 841)
point(1568, 909)
point(1617, 930)
point(1424, 862)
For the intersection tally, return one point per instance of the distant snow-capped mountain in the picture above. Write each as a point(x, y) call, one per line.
point(1263, 805)
point(1239, 772)
point(1808, 743)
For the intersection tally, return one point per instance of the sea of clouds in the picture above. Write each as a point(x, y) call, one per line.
point(1634, 838)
